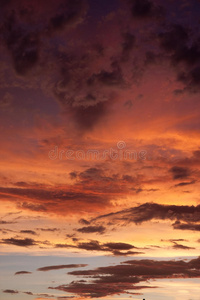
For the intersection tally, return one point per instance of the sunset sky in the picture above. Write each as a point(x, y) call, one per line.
point(100, 149)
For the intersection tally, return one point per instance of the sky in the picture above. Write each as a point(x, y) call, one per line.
point(100, 149)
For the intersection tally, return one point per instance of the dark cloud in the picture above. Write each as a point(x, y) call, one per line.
point(4, 3)
point(108, 182)
point(119, 246)
point(128, 178)
point(115, 248)
point(188, 55)
point(41, 295)
point(112, 78)
point(121, 249)
point(177, 240)
point(84, 222)
point(72, 236)
point(179, 246)
point(180, 172)
point(191, 79)
point(10, 292)
point(69, 13)
point(185, 183)
point(183, 47)
point(92, 229)
point(93, 290)
point(28, 293)
point(118, 279)
point(19, 242)
point(143, 9)
point(28, 232)
point(84, 78)
point(73, 175)
point(33, 207)
point(96, 93)
point(150, 211)
point(22, 273)
point(87, 117)
point(91, 174)
point(48, 229)
point(186, 226)
point(52, 200)
point(64, 298)
point(127, 45)
point(126, 253)
point(152, 58)
point(23, 45)
point(64, 246)
point(58, 267)
point(6, 222)
point(91, 246)
point(23, 27)
point(173, 39)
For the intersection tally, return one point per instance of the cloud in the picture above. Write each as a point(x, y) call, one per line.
point(152, 211)
point(112, 78)
point(28, 232)
point(119, 279)
point(96, 291)
point(23, 45)
point(33, 207)
point(73, 175)
point(180, 42)
point(119, 246)
point(126, 253)
point(69, 13)
point(179, 246)
point(143, 9)
point(26, 242)
point(174, 38)
point(90, 246)
point(116, 249)
point(87, 117)
point(97, 89)
point(22, 272)
point(95, 174)
point(28, 293)
point(84, 222)
point(182, 45)
point(23, 32)
point(64, 246)
point(92, 229)
point(41, 295)
point(186, 226)
point(48, 229)
point(180, 172)
point(128, 43)
point(6, 222)
point(58, 267)
point(191, 79)
point(185, 183)
point(46, 199)
point(19, 242)
point(177, 240)
point(10, 292)
point(64, 298)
